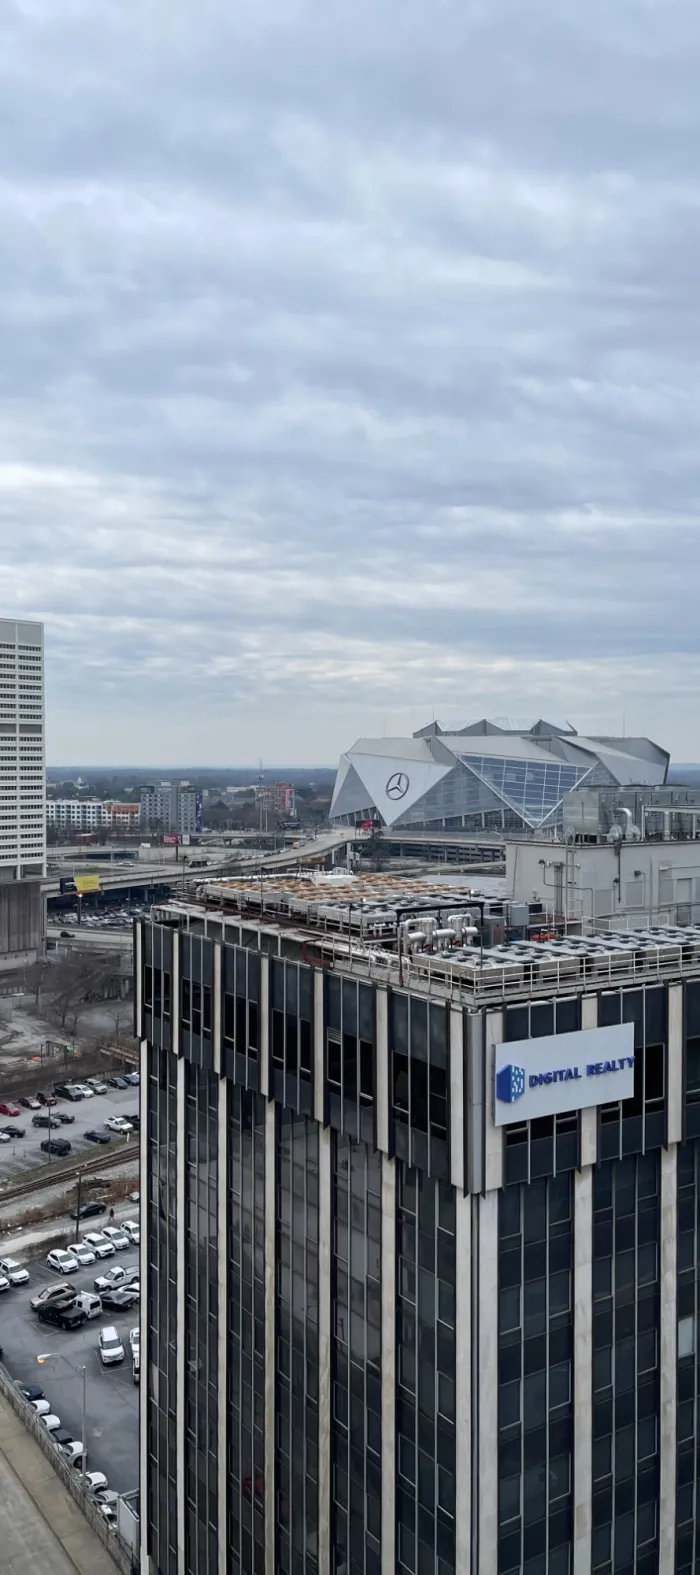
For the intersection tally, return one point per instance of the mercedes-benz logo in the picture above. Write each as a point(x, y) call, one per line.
point(398, 785)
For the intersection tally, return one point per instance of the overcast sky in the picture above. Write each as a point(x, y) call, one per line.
point(349, 371)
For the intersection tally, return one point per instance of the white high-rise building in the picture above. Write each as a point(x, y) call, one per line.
point(22, 766)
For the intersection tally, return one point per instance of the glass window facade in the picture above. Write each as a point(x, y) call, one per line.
point(626, 1205)
point(240, 1016)
point(425, 1375)
point(688, 1370)
point(161, 1372)
point(291, 1028)
point(356, 1357)
point(201, 1318)
point(419, 1094)
point(632, 1126)
point(532, 788)
point(297, 1344)
point(535, 1377)
point(551, 1144)
point(245, 1230)
point(350, 1057)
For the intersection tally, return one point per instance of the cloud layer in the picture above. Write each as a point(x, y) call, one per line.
point(350, 368)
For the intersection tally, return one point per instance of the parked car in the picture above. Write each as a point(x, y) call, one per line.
point(30, 1391)
point(4, 1138)
point(95, 1480)
point(67, 1091)
point(134, 1120)
point(51, 1422)
point(7, 1109)
point(97, 1137)
point(136, 1364)
point(133, 1078)
point(83, 1253)
point(64, 1294)
point(121, 1300)
point(101, 1246)
point(98, 1085)
point(58, 1146)
point(106, 1496)
point(84, 1089)
point(64, 1117)
point(14, 1271)
point(110, 1279)
point(29, 1101)
point(134, 1338)
point(62, 1435)
point(132, 1272)
point(42, 1406)
point(13, 1132)
point(117, 1082)
point(62, 1261)
point(74, 1451)
point(88, 1211)
point(45, 1098)
point(118, 1236)
point(111, 1350)
point(89, 1304)
point(61, 1317)
point(134, 1197)
point(44, 1121)
point(132, 1229)
point(118, 1124)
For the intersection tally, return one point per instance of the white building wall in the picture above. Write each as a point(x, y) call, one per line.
point(637, 883)
point(22, 764)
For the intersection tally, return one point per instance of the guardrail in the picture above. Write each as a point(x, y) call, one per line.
point(65, 1472)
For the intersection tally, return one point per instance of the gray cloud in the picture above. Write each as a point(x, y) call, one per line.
point(349, 367)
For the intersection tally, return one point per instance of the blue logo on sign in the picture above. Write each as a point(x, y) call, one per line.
point(510, 1084)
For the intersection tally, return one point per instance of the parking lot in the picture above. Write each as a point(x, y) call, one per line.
point(111, 1396)
point(24, 1154)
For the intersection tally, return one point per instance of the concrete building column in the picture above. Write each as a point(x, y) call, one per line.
point(216, 1045)
point(181, 1161)
point(668, 1356)
point(264, 1024)
point(674, 1066)
point(583, 1368)
point(325, 1237)
point(493, 1135)
point(222, 1321)
point(319, 1057)
point(382, 1064)
point(388, 1366)
point(589, 1118)
point(456, 1081)
point(270, 1331)
point(486, 1473)
point(463, 1398)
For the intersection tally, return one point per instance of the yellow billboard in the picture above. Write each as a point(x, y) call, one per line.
point(85, 883)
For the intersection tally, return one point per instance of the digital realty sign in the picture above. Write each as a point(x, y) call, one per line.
point(547, 1077)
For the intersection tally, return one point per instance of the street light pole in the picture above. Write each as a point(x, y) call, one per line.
point(57, 1356)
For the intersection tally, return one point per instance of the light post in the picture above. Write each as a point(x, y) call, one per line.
point(57, 1356)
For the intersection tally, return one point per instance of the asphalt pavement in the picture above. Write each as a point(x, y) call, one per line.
point(22, 1155)
point(111, 1395)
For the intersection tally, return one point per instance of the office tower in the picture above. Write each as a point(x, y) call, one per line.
point(421, 1245)
point(22, 792)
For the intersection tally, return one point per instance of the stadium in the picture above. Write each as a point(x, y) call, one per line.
point(489, 775)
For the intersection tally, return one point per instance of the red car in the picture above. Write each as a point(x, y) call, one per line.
point(8, 1110)
point(30, 1102)
point(46, 1099)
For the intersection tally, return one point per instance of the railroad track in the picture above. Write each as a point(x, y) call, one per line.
point(50, 1174)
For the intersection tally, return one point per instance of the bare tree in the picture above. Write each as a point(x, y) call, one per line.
point(75, 981)
point(35, 977)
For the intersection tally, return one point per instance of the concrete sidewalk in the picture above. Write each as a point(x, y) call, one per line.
point(42, 1532)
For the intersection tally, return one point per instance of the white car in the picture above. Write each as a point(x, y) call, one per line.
point(114, 1234)
point(94, 1480)
point(111, 1351)
point(133, 1230)
point(99, 1244)
point(16, 1274)
point(132, 1272)
point(51, 1422)
point(85, 1089)
point(110, 1280)
point(98, 1086)
point(83, 1253)
point(4, 1283)
point(41, 1407)
point(134, 1339)
point(118, 1124)
point(106, 1496)
point(5, 1137)
point(134, 1197)
point(74, 1450)
point(88, 1303)
point(63, 1262)
point(109, 1515)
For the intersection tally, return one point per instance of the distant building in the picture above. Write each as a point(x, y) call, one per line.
point(277, 798)
point(126, 816)
point(22, 790)
point(488, 776)
point(171, 806)
point(90, 814)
